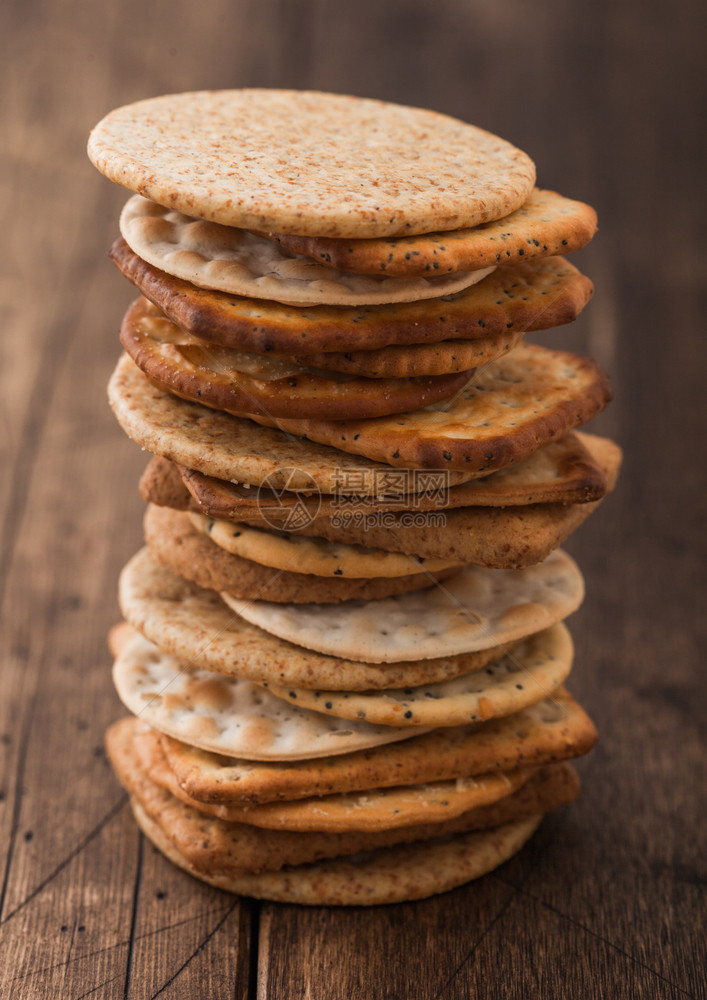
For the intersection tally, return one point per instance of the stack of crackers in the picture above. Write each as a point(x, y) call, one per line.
point(344, 647)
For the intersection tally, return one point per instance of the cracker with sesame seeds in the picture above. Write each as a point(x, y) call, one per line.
point(310, 162)
point(243, 382)
point(238, 262)
point(176, 543)
point(551, 730)
point(523, 297)
point(194, 624)
point(505, 412)
point(546, 224)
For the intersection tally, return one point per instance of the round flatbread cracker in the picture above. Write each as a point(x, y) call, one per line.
point(308, 162)
point(240, 263)
point(229, 715)
point(475, 609)
point(523, 677)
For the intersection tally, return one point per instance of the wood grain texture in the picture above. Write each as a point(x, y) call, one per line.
point(608, 898)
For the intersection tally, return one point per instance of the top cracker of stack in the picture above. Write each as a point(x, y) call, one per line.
point(344, 284)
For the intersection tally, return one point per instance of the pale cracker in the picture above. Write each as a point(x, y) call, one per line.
point(309, 162)
point(475, 609)
point(196, 626)
point(229, 715)
point(240, 263)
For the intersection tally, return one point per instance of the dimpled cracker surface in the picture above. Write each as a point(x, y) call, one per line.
point(551, 730)
point(242, 263)
point(528, 674)
point(507, 411)
point(523, 297)
point(308, 162)
point(394, 875)
point(475, 609)
point(544, 225)
point(195, 625)
point(235, 381)
point(229, 715)
point(234, 448)
point(375, 809)
point(176, 543)
point(311, 555)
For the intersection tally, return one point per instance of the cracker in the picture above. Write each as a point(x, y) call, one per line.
point(315, 556)
point(241, 263)
point(572, 470)
point(375, 809)
point(475, 609)
point(551, 730)
point(233, 448)
point(195, 625)
point(177, 544)
point(544, 225)
point(308, 162)
point(395, 875)
point(515, 298)
point(235, 381)
point(229, 715)
point(507, 411)
point(524, 677)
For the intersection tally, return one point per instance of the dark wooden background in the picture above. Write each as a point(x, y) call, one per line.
point(608, 97)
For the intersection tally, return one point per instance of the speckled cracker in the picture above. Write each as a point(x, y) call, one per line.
point(544, 225)
point(308, 162)
point(529, 674)
point(316, 556)
point(474, 609)
point(241, 263)
point(513, 299)
point(195, 625)
point(507, 411)
point(177, 544)
point(241, 381)
point(233, 448)
point(229, 715)
point(571, 470)
point(554, 729)
point(375, 809)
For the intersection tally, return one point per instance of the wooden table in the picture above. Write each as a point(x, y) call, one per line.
point(604, 900)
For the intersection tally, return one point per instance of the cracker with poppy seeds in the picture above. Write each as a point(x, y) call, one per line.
point(312, 556)
point(505, 413)
point(176, 543)
point(474, 609)
point(530, 673)
point(240, 381)
point(239, 262)
point(544, 225)
point(230, 715)
point(554, 729)
point(234, 448)
point(195, 625)
point(309, 162)
point(567, 471)
point(375, 809)
point(522, 297)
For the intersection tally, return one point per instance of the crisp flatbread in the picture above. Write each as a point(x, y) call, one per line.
point(195, 625)
point(308, 162)
point(229, 715)
point(544, 225)
point(475, 609)
point(241, 381)
point(513, 299)
point(551, 730)
point(241, 263)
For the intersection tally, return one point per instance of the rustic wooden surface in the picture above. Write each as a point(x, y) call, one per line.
point(604, 901)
